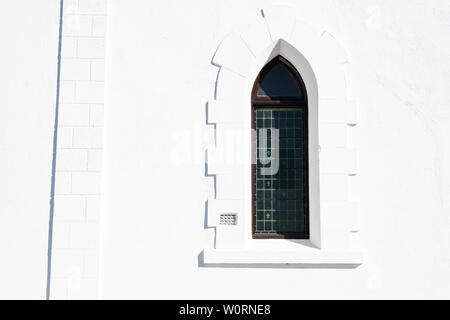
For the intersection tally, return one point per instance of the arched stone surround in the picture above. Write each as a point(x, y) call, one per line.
point(322, 63)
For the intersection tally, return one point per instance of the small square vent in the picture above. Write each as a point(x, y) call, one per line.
point(228, 219)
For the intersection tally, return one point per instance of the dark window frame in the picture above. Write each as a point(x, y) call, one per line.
point(260, 102)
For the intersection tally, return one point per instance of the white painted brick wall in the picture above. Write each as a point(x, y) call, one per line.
point(84, 235)
point(70, 208)
point(75, 69)
point(93, 48)
point(79, 151)
point(77, 25)
point(89, 92)
point(72, 115)
point(94, 160)
point(97, 70)
point(86, 182)
point(63, 183)
point(96, 115)
point(98, 26)
point(92, 7)
point(65, 136)
point(66, 91)
point(69, 47)
point(92, 208)
point(71, 160)
point(61, 234)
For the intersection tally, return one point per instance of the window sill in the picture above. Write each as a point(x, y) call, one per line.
point(256, 258)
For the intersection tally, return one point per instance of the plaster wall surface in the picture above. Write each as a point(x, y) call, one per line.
point(158, 80)
point(28, 64)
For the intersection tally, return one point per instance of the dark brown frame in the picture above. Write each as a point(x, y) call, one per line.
point(282, 102)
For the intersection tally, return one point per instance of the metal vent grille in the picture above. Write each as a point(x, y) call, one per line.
point(228, 219)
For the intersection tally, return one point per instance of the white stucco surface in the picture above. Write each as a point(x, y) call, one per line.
point(28, 64)
point(149, 91)
point(159, 79)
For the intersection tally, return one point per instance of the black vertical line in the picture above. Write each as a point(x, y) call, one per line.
point(55, 140)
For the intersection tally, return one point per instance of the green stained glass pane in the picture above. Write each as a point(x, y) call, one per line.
point(280, 198)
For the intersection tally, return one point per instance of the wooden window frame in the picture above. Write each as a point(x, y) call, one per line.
point(282, 102)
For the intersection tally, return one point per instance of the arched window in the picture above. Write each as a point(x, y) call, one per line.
point(280, 199)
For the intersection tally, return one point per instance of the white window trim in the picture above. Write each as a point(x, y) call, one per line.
point(333, 214)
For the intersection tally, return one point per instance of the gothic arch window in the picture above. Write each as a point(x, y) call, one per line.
point(280, 178)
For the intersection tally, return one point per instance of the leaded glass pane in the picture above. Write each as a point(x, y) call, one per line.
point(280, 198)
point(279, 81)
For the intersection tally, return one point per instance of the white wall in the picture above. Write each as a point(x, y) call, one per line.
point(28, 64)
point(158, 80)
point(79, 152)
